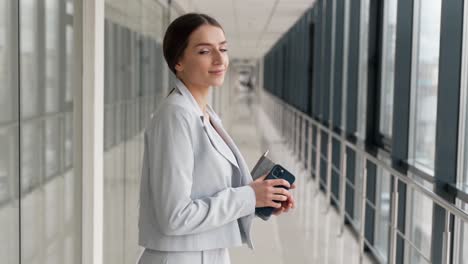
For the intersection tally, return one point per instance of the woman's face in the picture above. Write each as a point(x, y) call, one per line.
point(205, 60)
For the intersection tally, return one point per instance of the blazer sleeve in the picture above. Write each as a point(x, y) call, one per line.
point(171, 162)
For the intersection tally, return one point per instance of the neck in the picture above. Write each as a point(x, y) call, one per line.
point(200, 93)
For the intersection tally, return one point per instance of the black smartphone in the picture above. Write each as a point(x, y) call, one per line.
point(277, 172)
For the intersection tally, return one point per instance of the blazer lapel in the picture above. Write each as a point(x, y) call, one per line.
point(245, 174)
point(246, 178)
point(219, 146)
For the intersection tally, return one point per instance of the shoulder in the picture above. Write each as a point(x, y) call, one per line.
point(173, 111)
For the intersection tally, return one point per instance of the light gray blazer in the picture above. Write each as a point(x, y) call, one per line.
point(194, 192)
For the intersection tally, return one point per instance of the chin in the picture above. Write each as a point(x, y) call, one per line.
point(217, 82)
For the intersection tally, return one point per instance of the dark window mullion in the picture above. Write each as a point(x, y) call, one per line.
point(401, 107)
point(451, 38)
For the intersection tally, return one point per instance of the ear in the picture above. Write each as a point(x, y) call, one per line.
point(179, 67)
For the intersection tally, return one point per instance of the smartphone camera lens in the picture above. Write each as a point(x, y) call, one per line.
point(274, 173)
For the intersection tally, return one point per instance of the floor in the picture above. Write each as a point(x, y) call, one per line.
point(309, 233)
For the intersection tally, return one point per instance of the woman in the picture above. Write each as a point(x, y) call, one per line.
point(197, 197)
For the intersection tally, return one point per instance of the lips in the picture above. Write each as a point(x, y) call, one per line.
point(216, 71)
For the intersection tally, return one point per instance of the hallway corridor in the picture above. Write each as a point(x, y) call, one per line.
point(307, 234)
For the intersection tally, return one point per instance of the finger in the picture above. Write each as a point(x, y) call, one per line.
point(293, 186)
point(274, 204)
point(278, 197)
point(279, 190)
point(291, 202)
point(279, 182)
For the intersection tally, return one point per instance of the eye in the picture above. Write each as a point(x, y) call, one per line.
point(223, 50)
point(203, 52)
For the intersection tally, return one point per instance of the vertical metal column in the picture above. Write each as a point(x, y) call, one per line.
point(302, 144)
point(317, 157)
point(363, 212)
point(297, 135)
point(343, 188)
point(309, 149)
point(290, 128)
point(447, 238)
point(394, 221)
point(329, 171)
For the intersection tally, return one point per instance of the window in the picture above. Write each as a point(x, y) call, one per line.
point(461, 235)
point(135, 80)
point(52, 40)
point(382, 216)
point(388, 68)
point(29, 34)
point(363, 69)
point(50, 222)
point(425, 69)
point(419, 226)
point(463, 122)
point(461, 229)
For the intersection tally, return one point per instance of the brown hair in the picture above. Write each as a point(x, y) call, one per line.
point(177, 35)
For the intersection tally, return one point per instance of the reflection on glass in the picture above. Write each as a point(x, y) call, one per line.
point(52, 75)
point(382, 219)
point(419, 221)
point(50, 202)
point(9, 214)
point(358, 190)
point(68, 144)
point(32, 226)
point(7, 63)
point(69, 66)
point(363, 68)
point(53, 201)
point(31, 155)
point(6, 158)
point(133, 82)
point(464, 180)
point(388, 67)
point(52, 148)
point(424, 91)
point(463, 241)
point(9, 164)
point(31, 93)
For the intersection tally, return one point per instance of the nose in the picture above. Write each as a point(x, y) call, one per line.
point(218, 57)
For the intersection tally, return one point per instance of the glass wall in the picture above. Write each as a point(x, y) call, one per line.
point(419, 226)
point(382, 213)
point(9, 131)
point(40, 194)
point(50, 189)
point(363, 69)
point(461, 231)
point(388, 68)
point(136, 79)
point(426, 40)
point(461, 252)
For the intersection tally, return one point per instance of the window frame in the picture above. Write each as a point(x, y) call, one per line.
point(462, 167)
point(462, 122)
point(379, 139)
point(420, 170)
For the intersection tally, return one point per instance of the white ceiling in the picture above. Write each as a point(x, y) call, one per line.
point(251, 26)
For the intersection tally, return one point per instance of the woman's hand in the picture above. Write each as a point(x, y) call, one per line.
point(285, 206)
point(266, 192)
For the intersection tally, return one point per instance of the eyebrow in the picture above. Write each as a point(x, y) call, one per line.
point(209, 44)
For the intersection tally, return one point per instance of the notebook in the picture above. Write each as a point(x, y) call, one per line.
point(263, 166)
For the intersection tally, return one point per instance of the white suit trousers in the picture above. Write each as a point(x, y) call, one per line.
point(212, 256)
